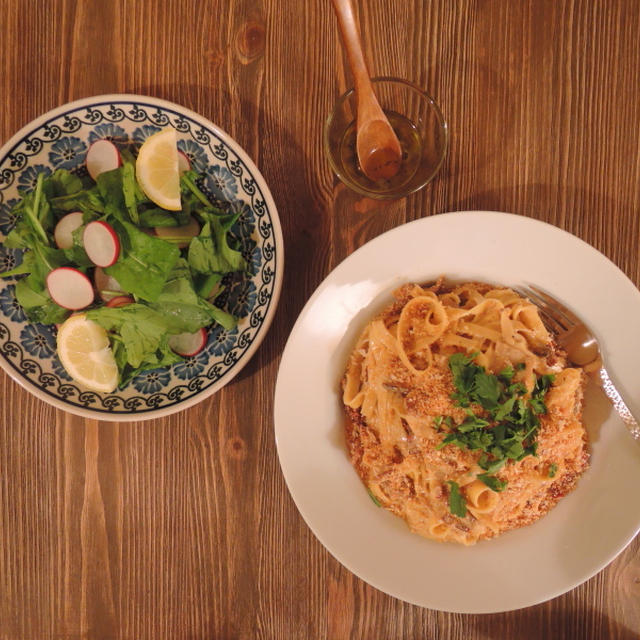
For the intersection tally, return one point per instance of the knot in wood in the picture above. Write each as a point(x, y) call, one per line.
point(250, 41)
point(237, 448)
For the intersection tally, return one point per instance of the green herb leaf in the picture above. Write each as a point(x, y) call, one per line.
point(494, 483)
point(486, 390)
point(506, 375)
point(373, 498)
point(457, 503)
point(504, 423)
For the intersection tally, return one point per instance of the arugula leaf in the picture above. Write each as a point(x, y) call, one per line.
point(183, 309)
point(226, 320)
point(76, 253)
point(61, 183)
point(37, 263)
point(457, 503)
point(209, 252)
point(36, 215)
point(140, 328)
point(144, 263)
point(188, 185)
point(207, 285)
point(109, 185)
point(156, 217)
point(130, 190)
point(38, 305)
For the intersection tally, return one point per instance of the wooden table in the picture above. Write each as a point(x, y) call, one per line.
point(183, 527)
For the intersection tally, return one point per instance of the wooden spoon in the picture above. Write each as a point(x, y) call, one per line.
point(377, 145)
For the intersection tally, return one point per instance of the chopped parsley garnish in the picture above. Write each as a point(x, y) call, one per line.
point(373, 498)
point(505, 424)
point(492, 482)
point(457, 504)
point(553, 469)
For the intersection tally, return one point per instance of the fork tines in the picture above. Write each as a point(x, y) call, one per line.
point(557, 317)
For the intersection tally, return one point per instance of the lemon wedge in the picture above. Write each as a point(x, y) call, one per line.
point(84, 350)
point(157, 169)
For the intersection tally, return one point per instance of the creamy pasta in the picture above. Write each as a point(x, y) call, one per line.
point(399, 395)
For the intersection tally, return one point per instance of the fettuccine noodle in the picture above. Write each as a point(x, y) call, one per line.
point(397, 386)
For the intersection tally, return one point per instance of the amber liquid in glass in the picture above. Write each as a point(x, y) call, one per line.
point(410, 142)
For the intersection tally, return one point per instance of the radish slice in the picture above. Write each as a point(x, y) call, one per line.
point(107, 286)
point(188, 344)
point(102, 156)
point(180, 235)
point(70, 288)
point(63, 233)
point(184, 164)
point(101, 243)
point(120, 301)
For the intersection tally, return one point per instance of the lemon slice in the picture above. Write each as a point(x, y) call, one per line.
point(84, 350)
point(157, 169)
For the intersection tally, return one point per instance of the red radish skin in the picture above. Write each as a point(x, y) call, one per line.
point(189, 344)
point(120, 301)
point(102, 156)
point(184, 164)
point(104, 284)
point(63, 233)
point(101, 243)
point(70, 288)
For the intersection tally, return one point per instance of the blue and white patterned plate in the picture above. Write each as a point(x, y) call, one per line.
point(60, 139)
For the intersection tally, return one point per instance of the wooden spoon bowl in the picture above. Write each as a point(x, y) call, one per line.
point(377, 145)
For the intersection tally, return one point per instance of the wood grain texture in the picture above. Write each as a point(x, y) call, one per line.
point(183, 527)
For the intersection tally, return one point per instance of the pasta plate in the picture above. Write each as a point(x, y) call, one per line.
point(579, 537)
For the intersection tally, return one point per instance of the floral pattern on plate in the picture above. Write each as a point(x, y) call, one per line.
point(60, 139)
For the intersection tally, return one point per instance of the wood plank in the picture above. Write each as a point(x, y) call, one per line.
point(183, 527)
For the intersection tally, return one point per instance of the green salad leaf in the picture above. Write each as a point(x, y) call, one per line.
point(210, 252)
point(145, 262)
point(173, 289)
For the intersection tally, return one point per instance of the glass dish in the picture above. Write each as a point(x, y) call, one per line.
point(419, 124)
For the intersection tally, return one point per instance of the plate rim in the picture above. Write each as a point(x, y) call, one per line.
point(297, 327)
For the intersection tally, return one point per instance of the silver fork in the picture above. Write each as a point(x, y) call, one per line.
point(581, 346)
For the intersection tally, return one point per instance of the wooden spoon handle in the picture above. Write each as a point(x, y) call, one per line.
point(353, 45)
point(377, 146)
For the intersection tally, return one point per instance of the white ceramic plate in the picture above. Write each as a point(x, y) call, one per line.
point(59, 139)
point(575, 540)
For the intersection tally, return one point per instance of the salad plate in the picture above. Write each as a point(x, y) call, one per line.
point(60, 139)
point(520, 568)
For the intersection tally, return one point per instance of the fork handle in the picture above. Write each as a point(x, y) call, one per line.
point(619, 404)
